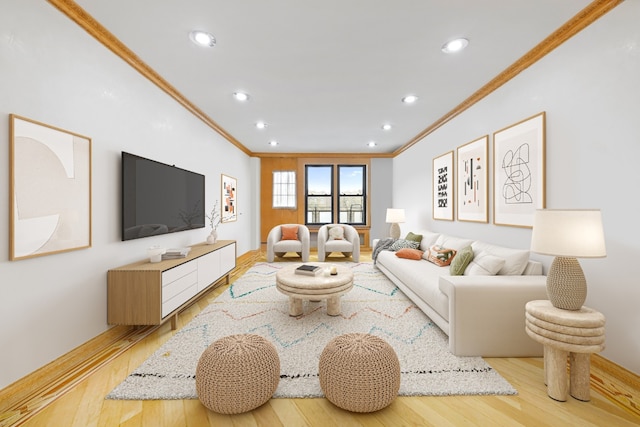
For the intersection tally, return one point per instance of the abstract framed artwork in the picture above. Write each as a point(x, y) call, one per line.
point(473, 180)
point(519, 172)
point(229, 196)
point(443, 187)
point(50, 189)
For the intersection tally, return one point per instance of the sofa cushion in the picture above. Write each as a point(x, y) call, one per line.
point(484, 264)
point(413, 237)
point(452, 242)
point(441, 256)
point(461, 261)
point(402, 243)
point(428, 239)
point(409, 253)
point(336, 232)
point(289, 232)
point(421, 277)
point(515, 259)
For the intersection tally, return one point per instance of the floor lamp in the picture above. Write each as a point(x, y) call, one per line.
point(567, 234)
point(395, 216)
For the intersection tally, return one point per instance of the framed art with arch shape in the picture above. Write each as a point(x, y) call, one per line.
point(519, 172)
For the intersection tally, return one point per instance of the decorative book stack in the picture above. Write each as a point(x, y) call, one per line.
point(176, 253)
point(308, 270)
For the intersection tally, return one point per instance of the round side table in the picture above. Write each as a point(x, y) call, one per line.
point(573, 334)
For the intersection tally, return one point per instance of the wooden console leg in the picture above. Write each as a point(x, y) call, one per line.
point(557, 381)
point(580, 366)
point(174, 322)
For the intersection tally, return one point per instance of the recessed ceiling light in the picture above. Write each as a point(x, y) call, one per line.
point(240, 96)
point(455, 45)
point(273, 143)
point(409, 99)
point(202, 38)
point(386, 126)
point(261, 125)
point(371, 144)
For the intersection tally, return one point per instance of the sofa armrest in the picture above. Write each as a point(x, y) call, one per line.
point(487, 314)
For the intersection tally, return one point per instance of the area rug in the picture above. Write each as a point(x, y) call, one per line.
point(252, 304)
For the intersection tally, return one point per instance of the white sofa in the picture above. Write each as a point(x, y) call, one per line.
point(483, 315)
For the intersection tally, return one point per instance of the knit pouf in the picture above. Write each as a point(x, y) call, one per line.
point(359, 372)
point(237, 373)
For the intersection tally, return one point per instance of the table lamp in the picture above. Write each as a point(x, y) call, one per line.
point(395, 216)
point(568, 234)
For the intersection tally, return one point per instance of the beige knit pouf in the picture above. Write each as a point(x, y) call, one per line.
point(359, 372)
point(237, 373)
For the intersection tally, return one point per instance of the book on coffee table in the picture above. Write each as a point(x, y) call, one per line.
point(308, 270)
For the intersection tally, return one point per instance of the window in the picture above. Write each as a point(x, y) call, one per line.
point(284, 190)
point(322, 196)
point(319, 194)
point(351, 194)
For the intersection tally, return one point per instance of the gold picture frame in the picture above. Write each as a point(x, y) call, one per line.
point(443, 187)
point(50, 189)
point(519, 157)
point(229, 196)
point(473, 180)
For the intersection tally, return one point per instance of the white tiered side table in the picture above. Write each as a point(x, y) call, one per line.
point(566, 333)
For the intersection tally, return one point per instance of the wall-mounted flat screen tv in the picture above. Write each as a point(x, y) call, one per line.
point(158, 198)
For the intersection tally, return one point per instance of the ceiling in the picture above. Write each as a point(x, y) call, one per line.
point(326, 75)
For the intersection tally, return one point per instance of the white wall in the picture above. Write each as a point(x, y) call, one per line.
point(590, 90)
point(54, 72)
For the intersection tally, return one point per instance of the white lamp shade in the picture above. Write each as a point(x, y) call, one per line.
point(576, 233)
point(395, 215)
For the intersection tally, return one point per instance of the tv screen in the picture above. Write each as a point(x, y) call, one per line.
point(159, 198)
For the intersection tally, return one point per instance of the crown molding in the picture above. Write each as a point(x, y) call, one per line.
point(580, 21)
point(78, 15)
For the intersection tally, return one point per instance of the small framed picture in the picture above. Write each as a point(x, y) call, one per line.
point(443, 187)
point(229, 197)
point(519, 172)
point(473, 181)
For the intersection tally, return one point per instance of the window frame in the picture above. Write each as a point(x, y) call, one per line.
point(340, 196)
point(287, 195)
point(330, 196)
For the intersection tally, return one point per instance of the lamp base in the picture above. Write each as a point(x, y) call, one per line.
point(394, 231)
point(566, 284)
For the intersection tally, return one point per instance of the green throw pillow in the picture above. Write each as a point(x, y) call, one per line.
point(414, 237)
point(461, 261)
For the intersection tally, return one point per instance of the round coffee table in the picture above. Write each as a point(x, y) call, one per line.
point(300, 287)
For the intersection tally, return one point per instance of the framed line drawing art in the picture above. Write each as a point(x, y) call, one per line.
point(50, 189)
point(519, 172)
point(229, 196)
point(443, 187)
point(473, 180)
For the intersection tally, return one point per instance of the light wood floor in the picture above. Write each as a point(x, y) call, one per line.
point(84, 405)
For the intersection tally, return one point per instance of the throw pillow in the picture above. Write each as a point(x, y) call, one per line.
point(414, 237)
point(402, 243)
point(409, 253)
point(336, 233)
point(484, 264)
point(461, 261)
point(441, 256)
point(289, 232)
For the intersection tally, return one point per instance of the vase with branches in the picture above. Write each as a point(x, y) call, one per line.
point(214, 221)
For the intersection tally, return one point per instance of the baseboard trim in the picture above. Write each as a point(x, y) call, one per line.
point(616, 383)
point(29, 395)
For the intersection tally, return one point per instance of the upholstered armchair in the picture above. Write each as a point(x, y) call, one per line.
point(338, 238)
point(288, 238)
